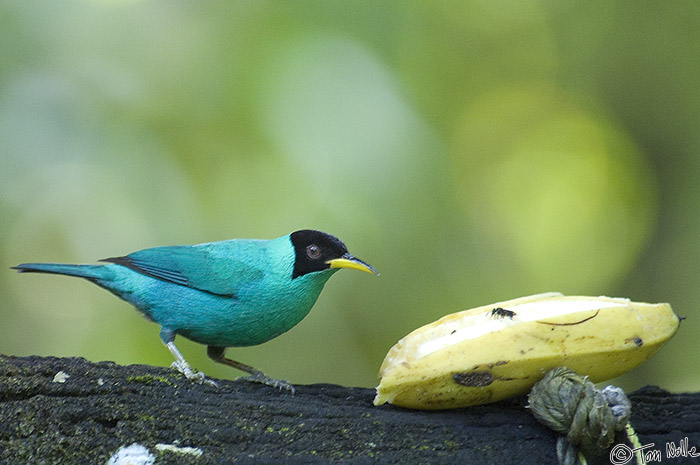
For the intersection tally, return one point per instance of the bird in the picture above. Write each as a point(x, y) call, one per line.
point(230, 293)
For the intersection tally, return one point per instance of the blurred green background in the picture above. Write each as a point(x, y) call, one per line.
point(472, 151)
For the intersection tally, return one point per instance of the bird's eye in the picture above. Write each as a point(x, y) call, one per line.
point(313, 251)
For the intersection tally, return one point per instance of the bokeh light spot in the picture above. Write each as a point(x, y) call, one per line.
point(565, 198)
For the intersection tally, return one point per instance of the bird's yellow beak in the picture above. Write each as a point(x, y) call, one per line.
point(348, 261)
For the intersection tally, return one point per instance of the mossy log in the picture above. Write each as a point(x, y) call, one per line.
point(72, 411)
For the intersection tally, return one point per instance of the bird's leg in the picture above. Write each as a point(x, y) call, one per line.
point(216, 353)
point(180, 364)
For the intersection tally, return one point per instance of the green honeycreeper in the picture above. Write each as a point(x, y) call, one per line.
point(233, 293)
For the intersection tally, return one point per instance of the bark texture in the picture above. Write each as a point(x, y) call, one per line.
point(70, 410)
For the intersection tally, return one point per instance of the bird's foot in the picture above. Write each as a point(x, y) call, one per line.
point(275, 383)
point(196, 377)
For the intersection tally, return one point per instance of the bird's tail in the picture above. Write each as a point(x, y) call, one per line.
point(82, 271)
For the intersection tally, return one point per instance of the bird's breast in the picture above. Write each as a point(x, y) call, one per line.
point(255, 315)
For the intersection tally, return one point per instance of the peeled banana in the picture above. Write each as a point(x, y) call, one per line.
point(501, 350)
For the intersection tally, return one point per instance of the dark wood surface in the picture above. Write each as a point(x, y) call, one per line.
point(101, 407)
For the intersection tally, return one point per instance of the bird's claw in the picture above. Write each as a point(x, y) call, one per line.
point(196, 377)
point(272, 382)
point(209, 382)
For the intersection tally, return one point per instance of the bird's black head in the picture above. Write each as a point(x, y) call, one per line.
point(318, 251)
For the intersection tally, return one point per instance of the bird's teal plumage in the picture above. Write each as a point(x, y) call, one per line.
point(222, 301)
point(238, 292)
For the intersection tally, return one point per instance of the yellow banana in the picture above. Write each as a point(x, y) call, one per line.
point(501, 350)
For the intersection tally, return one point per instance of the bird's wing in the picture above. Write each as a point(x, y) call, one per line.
point(193, 266)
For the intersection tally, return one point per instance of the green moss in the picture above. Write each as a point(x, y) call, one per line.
point(149, 379)
point(451, 446)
